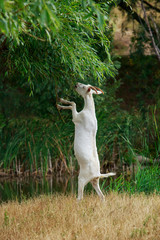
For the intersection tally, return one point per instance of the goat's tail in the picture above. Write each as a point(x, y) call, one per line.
point(106, 175)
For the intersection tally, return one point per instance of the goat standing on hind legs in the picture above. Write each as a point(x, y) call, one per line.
point(85, 139)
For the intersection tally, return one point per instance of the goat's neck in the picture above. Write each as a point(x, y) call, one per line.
point(89, 103)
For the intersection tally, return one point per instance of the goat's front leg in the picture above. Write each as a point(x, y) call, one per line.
point(72, 107)
point(63, 107)
point(65, 101)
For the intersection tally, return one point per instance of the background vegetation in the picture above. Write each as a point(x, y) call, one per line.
point(48, 46)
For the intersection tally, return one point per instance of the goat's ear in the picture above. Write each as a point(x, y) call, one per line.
point(91, 90)
point(98, 92)
point(94, 90)
point(88, 90)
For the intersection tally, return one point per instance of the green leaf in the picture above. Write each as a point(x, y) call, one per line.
point(2, 5)
point(3, 26)
point(53, 18)
point(101, 21)
point(45, 18)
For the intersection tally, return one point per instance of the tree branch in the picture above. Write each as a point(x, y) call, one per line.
point(124, 6)
point(151, 6)
point(157, 50)
point(129, 10)
point(156, 28)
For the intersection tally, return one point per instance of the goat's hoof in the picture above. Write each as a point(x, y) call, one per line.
point(59, 107)
point(61, 100)
point(103, 199)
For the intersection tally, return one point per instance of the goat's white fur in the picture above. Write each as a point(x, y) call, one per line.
point(85, 139)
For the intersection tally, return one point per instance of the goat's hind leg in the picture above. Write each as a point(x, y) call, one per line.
point(81, 185)
point(95, 184)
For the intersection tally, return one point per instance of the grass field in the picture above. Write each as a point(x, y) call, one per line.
point(120, 216)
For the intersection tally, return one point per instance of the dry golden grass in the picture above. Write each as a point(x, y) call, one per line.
point(62, 217)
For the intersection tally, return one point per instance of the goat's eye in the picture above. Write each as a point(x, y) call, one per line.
point(83, 87)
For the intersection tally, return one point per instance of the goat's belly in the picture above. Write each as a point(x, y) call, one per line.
point(85, 148)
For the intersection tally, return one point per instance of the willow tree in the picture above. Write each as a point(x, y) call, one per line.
point(46, 46)
point(53, 42)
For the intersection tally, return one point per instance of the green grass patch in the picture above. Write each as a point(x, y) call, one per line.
point(146, 180)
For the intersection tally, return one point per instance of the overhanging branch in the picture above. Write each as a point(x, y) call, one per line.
point(124, 6)
point(151, 6)
point(156, 49)
point(132, 13)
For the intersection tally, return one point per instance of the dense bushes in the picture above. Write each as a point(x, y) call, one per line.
point(42, 56)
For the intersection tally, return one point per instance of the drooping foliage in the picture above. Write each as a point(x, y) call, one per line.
point(46, 46)
point(70, 29)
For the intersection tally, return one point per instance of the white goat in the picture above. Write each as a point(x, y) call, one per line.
point(85, 139)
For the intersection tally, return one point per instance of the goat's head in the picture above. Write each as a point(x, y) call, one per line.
point(84, 90)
